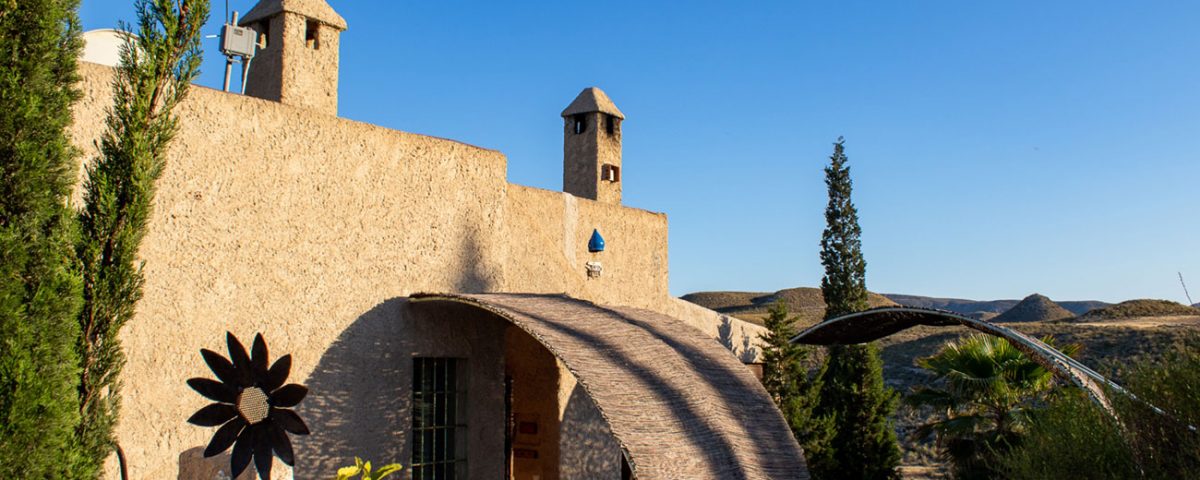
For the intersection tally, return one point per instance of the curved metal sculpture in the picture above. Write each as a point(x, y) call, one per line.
point(870, 325)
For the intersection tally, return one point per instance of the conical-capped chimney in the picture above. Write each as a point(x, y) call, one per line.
point(299, 63)
point(592, 147)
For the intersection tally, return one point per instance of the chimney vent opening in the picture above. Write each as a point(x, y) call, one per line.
point(610, 173)
point(579, 123)
point(312, 35)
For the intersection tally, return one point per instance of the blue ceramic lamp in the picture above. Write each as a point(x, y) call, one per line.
point(596, 243)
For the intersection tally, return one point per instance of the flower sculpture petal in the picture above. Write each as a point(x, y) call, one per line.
point(253, 406)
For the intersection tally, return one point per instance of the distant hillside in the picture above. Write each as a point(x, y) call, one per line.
point(1034, 308)
point(971, 307)
point(805, 302)
point(723, 301)
point(1142, 308)
point(1083, 306)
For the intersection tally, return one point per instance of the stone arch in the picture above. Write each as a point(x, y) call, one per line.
point(677, 403)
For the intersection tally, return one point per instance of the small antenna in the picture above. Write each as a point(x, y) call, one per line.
point(1185, 291)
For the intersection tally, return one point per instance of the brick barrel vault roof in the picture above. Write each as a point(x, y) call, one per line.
point(678, 403)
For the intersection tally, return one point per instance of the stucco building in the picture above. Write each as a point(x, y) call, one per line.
point(404, 273)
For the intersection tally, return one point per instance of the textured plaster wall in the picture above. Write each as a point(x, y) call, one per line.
point(587, 449)
point(311, 72)
point(360, 400)
point(548, 234)
point(294, 224)
point(311, 229)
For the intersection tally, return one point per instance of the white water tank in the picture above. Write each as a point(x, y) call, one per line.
point(103, 46)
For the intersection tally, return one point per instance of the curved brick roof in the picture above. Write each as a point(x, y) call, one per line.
point(679, 404)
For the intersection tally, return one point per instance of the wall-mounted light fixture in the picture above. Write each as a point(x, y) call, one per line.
point(595, 245)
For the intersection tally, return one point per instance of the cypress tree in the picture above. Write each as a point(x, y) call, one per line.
point(863, 444)
point(39, 287)
point(787, 380)
point(156, 69)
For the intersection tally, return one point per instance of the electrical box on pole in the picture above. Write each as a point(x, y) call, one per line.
point(239, 41)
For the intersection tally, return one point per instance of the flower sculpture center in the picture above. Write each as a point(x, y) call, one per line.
point(253, 405)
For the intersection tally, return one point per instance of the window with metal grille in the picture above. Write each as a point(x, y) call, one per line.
point(439, 429)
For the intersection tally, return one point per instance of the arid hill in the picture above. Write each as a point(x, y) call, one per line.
point(1034, 308)
point(1141, 308)
point(1106, 344)
point(978, 307)
point(804, 302)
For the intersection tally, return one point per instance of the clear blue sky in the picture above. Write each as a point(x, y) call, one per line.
point(997, 148)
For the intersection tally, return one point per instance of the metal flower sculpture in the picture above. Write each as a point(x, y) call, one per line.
point(252, 406)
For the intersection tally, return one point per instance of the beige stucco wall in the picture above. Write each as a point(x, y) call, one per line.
point(548, 233)
point(587, 448)
point(361, 404)
point(301, 225)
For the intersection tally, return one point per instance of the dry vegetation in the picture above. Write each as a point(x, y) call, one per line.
point(1140, 308)
point(1118, 334)
point(1105, 346)
point(804, 302)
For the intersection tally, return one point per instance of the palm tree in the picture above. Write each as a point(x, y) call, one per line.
point(983, 387)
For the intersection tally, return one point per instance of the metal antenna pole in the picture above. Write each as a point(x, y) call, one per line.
point(1185, 291)
point(245, 71)
point(228, 57)
point(228, 69)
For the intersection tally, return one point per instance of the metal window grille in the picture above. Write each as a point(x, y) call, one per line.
point(439, 429)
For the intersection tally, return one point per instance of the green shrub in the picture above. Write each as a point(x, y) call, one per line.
point(157, 66)
point(39, 289)
point(787, 379)
point(984, 386)
point(852, 393)
point(1074, 438)
point(362, 470)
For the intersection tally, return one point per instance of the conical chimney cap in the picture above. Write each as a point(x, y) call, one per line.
point(315, 9)
point(591, 100)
